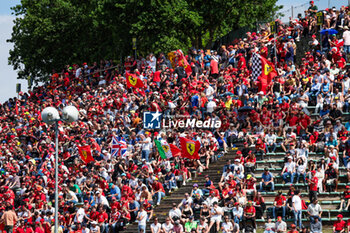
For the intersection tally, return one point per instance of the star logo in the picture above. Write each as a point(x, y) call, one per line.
point(152, 120)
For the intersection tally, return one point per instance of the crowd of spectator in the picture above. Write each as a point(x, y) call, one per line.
point(113, 191)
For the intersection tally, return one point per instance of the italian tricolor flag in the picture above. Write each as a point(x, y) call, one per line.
point(166, 150)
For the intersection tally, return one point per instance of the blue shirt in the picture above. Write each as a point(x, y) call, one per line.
point(194, 101)
point(347, 126)
point(267, 177)
point(115, 192)
point(282, 98)
point(324, 112)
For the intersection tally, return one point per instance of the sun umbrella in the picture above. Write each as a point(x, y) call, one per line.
point(330, 31)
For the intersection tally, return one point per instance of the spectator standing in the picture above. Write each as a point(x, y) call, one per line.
point(297, 207)
point(142, 219)
point(313, 184)
point(9, 218)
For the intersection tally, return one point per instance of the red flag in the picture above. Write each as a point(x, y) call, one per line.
point(175, 151)
point(183, 62)
point(85, 154)
point(16, 109)
point(133, 81)
point(268, 72)
point(95, 145)
point(189, 148)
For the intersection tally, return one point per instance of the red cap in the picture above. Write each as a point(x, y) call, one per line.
point(339, 216)
point(313, 172)
point(293, 226)
point(239, 152)
point(313, 36)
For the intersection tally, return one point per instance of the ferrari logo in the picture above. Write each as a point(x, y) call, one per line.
point(84, 154)
point(267, 69)
point(165, 148)
point(190, 148)
point(132, 80)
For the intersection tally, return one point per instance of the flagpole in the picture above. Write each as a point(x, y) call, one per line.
point(274, 35)
point(56, 177)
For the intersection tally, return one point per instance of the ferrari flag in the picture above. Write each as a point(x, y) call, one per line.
point(133, 81)
point(85, 154)
point(263, 71)
point(189, 148)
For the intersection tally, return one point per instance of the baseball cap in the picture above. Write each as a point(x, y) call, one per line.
point(339, 216)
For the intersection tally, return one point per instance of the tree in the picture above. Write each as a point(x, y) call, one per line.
point(48, 34)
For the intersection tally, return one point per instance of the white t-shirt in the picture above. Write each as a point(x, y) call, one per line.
point(175, 213)
point(209, 92)
point(211, 106)
point(297, 202)
point(167, 228)
point(143, 216)
point(156, 227)
point(147, 145)
point(227, 226)
point(346, 37)
point(270, 138)
point(289, 166)
point(301, 168)
point(79, 217)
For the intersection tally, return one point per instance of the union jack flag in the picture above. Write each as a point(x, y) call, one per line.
point(118, 148)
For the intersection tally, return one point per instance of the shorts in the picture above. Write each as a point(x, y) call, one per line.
point(215, 219)
point(331, 181)
point(142, 228)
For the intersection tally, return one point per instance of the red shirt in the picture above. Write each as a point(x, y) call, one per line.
point(348, 223)
point(156, 76)
point(292, 120)
point(339, 225)
point(347, 194)
point(214, 67)
point(102, 217)
point(313, 186)
point(249, 210)
point(158, 186)
point(280, 200)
